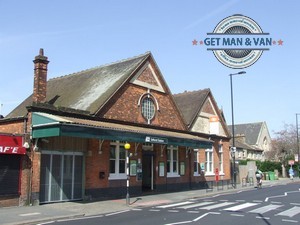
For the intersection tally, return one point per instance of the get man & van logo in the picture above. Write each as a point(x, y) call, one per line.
point(238, 41)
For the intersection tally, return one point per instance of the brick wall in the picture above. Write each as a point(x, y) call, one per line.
point(126, 108)
point(226, 161)
point(124, 105)
point(12, 127)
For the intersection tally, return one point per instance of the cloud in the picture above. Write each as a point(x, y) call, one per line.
point(211, 14)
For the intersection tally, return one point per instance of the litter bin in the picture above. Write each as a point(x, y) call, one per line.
point(266, 176)
point(271, 175)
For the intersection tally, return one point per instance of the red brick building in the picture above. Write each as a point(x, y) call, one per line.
point(77, 126)
point(202, 116)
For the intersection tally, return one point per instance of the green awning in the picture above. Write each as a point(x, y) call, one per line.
point(47, 125)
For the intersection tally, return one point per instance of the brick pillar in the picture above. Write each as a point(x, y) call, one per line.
point(40, 77)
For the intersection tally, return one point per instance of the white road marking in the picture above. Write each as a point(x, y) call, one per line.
point(217, 205)
point(239, 207)
point(205, 214)
point(46, 223)
point(193, 211)
point(154, 210)
point(276, 202)
point(265, 209)
point(262, 217)
point(195, 205)
point(237, 215)
point(279, 196)
point(115, 213)
point(136, 209)
point(184, 222)
point(290, 212)
point(290, 221)
point(30, 214)
point(173, 205)
point(295, 203)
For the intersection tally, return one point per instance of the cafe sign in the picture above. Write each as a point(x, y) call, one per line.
point(11, 145)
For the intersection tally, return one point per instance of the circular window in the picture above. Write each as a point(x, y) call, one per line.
point(148, 108)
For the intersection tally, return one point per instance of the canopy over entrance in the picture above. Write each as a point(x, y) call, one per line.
point(48, 125)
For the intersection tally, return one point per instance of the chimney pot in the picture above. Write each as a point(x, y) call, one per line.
point(41, 52)
point(40, 77)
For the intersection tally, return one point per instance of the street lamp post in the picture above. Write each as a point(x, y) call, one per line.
point(297, 128)
point(233, 148)
point(127, 147)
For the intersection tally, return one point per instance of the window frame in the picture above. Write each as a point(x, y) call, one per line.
point(170, 161)
point(196, 169)
point(209, 159)
point(148, 108)
point(221, 159)
point(117, 175)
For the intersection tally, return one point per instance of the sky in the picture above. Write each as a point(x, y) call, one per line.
point(78, 35)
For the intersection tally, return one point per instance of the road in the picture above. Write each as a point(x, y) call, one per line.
point(275, 205)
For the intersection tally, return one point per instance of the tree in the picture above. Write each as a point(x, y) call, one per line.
point(284, 145)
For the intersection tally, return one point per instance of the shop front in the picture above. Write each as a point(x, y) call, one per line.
point(95, 167)
point(11, 155)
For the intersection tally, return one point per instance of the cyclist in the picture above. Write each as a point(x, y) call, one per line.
point(259, 175)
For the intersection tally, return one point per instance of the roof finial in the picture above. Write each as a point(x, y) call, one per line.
point(41, 52)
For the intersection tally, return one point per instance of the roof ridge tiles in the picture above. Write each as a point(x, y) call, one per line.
point(104, 65)
point(187, 92)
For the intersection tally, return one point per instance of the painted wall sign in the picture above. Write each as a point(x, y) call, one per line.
point(11, 145)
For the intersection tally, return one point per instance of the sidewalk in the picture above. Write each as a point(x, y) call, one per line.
point(38, 214)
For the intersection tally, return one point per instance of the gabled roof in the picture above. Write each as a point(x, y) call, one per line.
point(86, 90)
point(190, 103)
point(250, 130)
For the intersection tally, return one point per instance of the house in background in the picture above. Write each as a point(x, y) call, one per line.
point(252, 140)
point(77, 127)
point(202, 116)
point(245, 151)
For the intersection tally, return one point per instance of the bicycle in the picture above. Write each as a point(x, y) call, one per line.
point(259, 183)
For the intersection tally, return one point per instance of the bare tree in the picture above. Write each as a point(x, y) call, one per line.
point(284, 146)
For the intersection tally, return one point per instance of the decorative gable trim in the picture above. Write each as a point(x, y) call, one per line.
point(148, 80)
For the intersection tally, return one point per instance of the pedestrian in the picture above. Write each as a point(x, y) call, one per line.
point(291, 173)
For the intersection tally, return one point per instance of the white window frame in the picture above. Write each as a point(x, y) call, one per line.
point(173, 149)
point(148, 108)
point(209, 162)
point(117, 175)
point(221, 160)
point(196, 161)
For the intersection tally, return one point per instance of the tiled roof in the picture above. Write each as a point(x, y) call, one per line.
point(250, 130)
point(190, 102)
point(86, 90)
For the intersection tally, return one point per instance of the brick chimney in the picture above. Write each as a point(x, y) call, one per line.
point(40, 77)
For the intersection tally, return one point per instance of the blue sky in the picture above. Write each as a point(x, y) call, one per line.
point(78, 35)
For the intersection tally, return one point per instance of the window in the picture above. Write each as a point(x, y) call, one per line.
point(221, 169)
point(196, 164)
point(117, 161)
point(148, 108)
point(172, 161)
point(209, 162)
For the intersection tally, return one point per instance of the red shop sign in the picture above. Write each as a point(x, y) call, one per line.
point(11, 145)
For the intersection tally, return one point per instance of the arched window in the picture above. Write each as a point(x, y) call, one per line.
point(148, 108)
